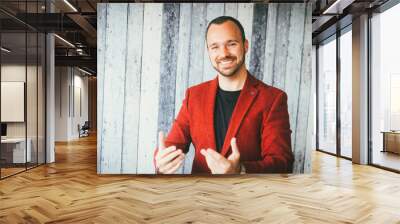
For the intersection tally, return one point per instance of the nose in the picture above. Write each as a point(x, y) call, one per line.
point(224, 52)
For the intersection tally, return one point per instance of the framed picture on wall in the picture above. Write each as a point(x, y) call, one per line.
point(204, 88)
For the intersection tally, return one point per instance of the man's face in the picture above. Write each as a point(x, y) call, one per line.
point(226, 48)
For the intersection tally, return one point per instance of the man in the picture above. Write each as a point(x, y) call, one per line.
point(236, 123)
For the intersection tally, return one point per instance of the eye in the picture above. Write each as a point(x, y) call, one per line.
point(232, 44)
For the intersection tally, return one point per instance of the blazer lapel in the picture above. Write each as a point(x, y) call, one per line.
point(246, 98)
point(209, 103)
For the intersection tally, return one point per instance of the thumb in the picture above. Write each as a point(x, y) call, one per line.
point(161, 140)
point(235, 150)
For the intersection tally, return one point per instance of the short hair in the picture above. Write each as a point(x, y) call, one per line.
point(223, 19)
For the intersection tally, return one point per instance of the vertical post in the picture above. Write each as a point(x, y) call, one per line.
point(369, 79)
point(50, 93)
point(360, 90)
point(37, 89)
point(26, 103)
point(338, 73)
point(0, 98)
point(317, 97)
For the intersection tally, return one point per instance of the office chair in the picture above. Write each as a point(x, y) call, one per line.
point(84, 130)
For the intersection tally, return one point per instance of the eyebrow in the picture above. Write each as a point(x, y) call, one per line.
point(229, 41)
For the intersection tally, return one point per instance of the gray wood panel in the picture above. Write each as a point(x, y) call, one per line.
point(101, 54)
point(114, 94)
point(150, 86)
point(293, 62)
point(165, 53)
point(133, 63)
point(197, 43)
point(169, 50)
point(231, 9)
point(270, 38)
point(304, 122)
point(245, 16)
point(281, 45)
point(258, 40)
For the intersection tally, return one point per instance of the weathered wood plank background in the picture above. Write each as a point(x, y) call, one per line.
point(148, 54)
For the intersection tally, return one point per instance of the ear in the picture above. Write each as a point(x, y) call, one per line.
point(246, 45)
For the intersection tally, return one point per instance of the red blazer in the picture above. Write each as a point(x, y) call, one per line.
point(260, 123)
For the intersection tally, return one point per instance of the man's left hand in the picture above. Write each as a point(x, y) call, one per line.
point(221, 165)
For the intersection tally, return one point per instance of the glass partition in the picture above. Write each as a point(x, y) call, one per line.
point(327, 96)
point(385, 89)
point(13, 105)
point(22, 78)
point(346, 93)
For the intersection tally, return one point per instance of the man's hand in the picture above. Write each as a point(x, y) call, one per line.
point(219, 164)
point(168, 160)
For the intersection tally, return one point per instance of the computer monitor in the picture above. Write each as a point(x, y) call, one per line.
point(3, 129)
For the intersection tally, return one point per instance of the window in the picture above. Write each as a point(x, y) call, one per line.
point(385, 88)
point(346, 93)
point(327, 96)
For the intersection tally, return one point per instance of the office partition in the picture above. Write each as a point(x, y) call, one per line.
point(22, 77)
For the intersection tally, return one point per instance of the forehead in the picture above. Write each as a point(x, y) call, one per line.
point(223, 32)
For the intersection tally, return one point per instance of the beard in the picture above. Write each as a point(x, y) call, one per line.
point(232, 71)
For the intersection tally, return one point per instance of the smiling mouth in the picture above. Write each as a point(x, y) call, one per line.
point(226, 62)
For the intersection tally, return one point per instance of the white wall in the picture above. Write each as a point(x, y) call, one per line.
point(12, 73)
point(82, 83)
point(61, 103)
point(17, 72)
point(33, 126)
point(71, 87)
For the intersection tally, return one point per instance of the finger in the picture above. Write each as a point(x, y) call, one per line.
point(203, 152)
point(166, 151)
point(211, 163)
point(175, 166)
point(162, 153)
point(168, 158)
point(215, 155)
point(221, 164)
point(161, 140)
point(172, 163)
point(207, 155)
point(235, 150)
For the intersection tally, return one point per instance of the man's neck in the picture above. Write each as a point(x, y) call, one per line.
point(234, 82)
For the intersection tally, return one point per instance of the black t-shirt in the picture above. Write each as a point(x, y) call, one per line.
point(224, 104)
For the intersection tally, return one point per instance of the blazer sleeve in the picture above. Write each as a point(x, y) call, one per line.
point(179, 134)
point(276, 152)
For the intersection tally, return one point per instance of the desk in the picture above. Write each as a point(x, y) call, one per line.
point(391, 141)
point(15, 148)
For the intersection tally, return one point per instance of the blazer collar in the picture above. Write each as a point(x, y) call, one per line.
point(246, 98)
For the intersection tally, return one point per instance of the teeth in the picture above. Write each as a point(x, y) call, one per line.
point(225, 62)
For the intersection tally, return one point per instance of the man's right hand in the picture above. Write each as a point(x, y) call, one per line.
point(168, 160)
